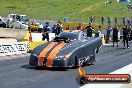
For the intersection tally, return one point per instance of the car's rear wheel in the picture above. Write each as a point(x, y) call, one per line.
point(81, 80)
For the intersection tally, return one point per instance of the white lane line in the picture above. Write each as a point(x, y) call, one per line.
point(125, 70)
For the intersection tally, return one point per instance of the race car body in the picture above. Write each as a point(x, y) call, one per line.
point(69, 49)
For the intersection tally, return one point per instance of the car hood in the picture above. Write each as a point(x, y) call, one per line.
point(40, 48)
point(62, 51)
point(66, 49)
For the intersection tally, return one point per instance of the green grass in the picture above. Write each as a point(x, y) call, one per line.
point(76, 10)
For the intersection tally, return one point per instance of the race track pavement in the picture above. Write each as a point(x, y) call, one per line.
point(14, 73)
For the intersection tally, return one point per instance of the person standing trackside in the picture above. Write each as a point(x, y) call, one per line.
point(124, 21)
point(116, 21)
point(91, 19)
point(54, 29)
point(109, 29)
point(45, 34)
point(40, 27)
point(79, 27)
point(130, 33)
point(59, 28)
point(46, 30)
point(90, 30)
point(115, 35)
point(109, 20)
point(99, 32)
point(125, 36)
point(102, 20)
point(68, 28)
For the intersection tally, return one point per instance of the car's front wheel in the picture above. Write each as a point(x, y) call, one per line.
point(96, 50)
point(77, 62)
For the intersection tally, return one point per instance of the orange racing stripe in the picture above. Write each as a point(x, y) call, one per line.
point(53, 54)
point(44, 52)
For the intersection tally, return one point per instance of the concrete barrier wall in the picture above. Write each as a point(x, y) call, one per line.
point(17, 34)
point(38, 36)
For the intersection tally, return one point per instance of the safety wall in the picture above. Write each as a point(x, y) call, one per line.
point(13, 48)
point(37, 37)
point(17, 34)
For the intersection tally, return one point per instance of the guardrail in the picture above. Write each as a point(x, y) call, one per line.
point(13, 48)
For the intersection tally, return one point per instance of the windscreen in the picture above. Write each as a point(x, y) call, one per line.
point(71, 36)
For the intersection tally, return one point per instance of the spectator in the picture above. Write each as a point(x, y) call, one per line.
point(68, 28)
point(109, 29)
point(129, 22)
point(115, 35)
point(33, 23)
point(99, 32)
point(130, 33)
point(60, 24)
point(46, 30)
point(40, 27)
point(116, 21)
point(47, 26)
point(125, 36)
point(54, 29)
point(109, 20)
point(124, 21)
point(102, 20)
point(80, 27)
point(90, 30)
point(94, 18)
point(59, 28)
point(91, 19)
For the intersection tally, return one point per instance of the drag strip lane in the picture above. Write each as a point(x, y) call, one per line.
point(15, 75)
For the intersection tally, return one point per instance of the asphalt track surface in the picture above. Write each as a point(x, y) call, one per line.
point(14, 73)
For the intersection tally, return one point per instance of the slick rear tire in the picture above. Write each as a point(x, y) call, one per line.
point(81, 80)
point(96, 50)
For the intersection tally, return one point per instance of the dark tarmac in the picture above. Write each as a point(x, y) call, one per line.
point(14, 73)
